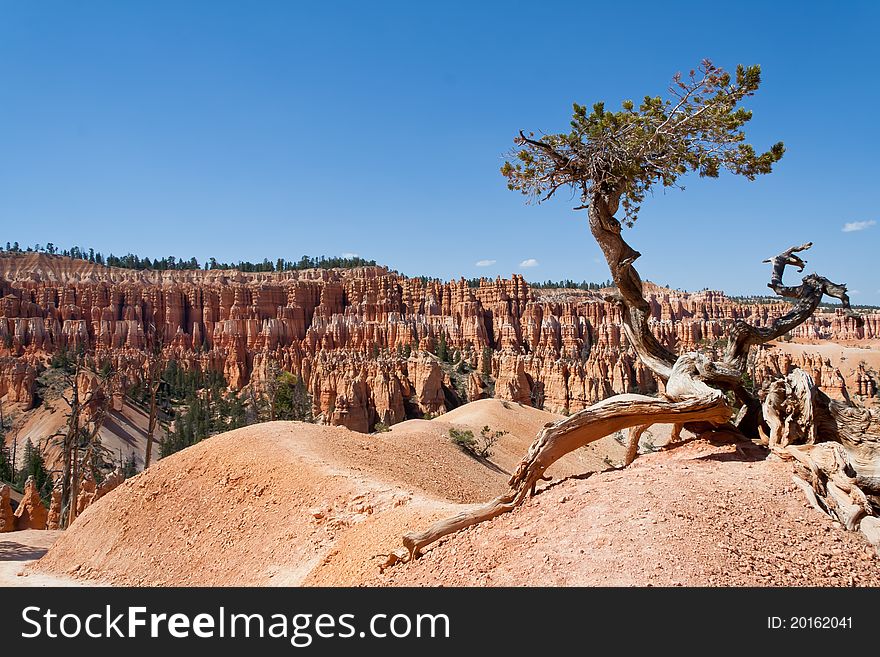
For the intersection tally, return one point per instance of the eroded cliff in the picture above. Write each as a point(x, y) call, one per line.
point(360, 338)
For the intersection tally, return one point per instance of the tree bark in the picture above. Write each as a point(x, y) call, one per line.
point(151, 424)
point(836, 448)
point(636, 310)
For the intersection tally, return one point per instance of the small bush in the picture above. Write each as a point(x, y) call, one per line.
point(381, 427)
point(463, 438)
point(480, 447)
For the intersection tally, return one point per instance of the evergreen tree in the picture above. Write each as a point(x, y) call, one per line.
point(442, 349)
point(487, 362)
point(292, 401)
point(34, 466)
point(7, 468)
point(129, 467)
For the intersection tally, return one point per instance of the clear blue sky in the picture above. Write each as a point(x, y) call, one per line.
point(244, 130)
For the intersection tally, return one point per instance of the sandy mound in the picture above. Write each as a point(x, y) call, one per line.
point(288, 503)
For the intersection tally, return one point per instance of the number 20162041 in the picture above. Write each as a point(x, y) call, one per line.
point(809, 622)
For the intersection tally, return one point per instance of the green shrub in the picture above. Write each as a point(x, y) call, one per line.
point(480, 447)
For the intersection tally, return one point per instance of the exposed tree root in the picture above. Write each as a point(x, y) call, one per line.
point(836, 449)
point(632, 446)
point(700, 403)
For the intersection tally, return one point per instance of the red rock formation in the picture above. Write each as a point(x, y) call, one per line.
point(53, 520)
point(476, 389)
point(88, 489)
point(512, 382)
point(17, 378)
point(31, 512)
point(346, 333)
point(110, 482)
point(772, 362)
point(427, 379)
point(7, 519)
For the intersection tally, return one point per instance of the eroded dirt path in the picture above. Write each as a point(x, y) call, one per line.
point(18, 549)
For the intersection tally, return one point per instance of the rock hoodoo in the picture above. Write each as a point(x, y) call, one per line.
point(354, 336)
point(31, 512)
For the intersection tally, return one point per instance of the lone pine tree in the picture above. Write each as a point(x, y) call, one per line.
point(611, 160)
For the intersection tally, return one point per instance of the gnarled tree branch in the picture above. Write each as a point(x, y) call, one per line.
point(809, 295)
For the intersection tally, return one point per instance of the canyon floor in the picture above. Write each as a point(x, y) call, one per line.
point(288, 503)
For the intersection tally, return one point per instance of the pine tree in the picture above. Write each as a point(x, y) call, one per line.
point(487, 362)
point(34, 466)
point(442, 349)
point(7, 468)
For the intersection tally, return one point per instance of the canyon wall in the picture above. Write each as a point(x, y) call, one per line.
point(360, 338)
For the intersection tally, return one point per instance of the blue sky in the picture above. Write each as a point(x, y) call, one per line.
point(275, 129)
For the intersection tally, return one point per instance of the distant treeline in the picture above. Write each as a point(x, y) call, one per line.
point(569, 284)
point(762, 299)
point(566, 284)
point(131, 261)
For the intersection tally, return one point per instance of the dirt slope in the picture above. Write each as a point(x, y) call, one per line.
point(123, 433)
point(288, 503)
point(698, 515)
point(271, 503)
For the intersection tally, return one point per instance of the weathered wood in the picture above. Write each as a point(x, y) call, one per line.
point(635, 309)
point(808, 295)
point(697, 402)
point(835, 446)
point(632, 446)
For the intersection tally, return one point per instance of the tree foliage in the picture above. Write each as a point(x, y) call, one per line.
point(480, 447)
point(623, 155)
point(293, 401)
point(33, 465)
point(7, 468)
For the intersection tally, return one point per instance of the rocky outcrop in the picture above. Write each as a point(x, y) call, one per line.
point(7, 518)
point(53, 520)
point(88, 489)
point(109, 483)
point(359, 338)
point(17, 378)
point(771, 363)
point(31, 512)
point(89, 492)
point(476, 388)
point(512, 382)
point(428, 385)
